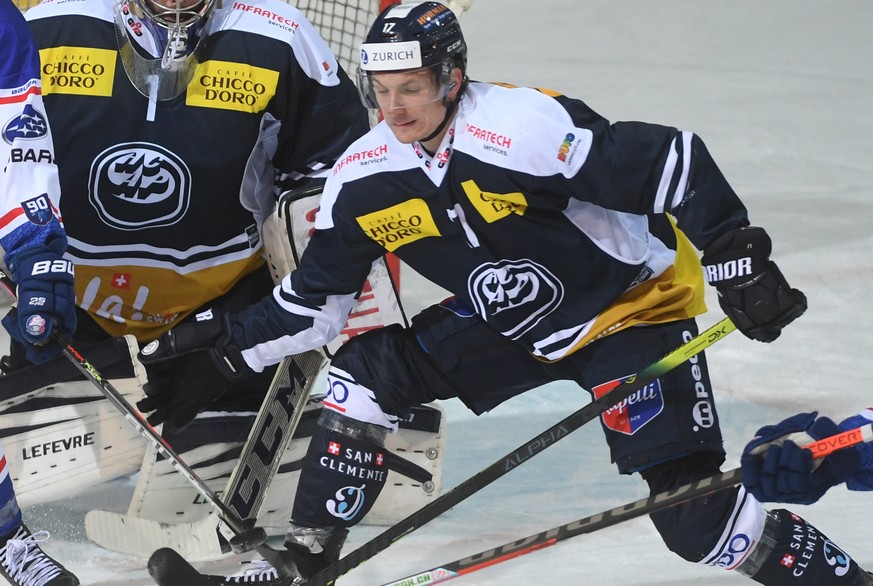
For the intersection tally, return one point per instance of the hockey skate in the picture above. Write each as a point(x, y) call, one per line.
point(307, 552)
point(24, 563)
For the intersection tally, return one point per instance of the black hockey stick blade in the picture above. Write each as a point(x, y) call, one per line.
point(249, 538)
point(168, 568)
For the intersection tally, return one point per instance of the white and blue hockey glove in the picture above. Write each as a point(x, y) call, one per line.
point(751, 289)
point(189, 367)
point(46, 299)
point(777, 469)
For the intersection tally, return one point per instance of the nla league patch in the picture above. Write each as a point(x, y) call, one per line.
point(634, 412)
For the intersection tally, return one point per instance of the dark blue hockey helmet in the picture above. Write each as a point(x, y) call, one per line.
point(411, 36)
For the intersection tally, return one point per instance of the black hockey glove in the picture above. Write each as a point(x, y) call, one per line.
point(189, 367)
point(751, 288)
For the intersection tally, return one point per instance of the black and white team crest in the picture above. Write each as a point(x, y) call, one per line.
point(139, 185)
point(513, 295)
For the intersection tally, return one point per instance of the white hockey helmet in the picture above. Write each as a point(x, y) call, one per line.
point(160, 42)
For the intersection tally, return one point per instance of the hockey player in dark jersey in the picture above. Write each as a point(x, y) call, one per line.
point(32, 241)
point(178, 127)
point(571, 245)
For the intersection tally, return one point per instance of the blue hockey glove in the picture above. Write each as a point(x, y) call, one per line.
point(189, 367)
point(862, 479)
point(777, 469)
point(46, 299)
point(751, 289)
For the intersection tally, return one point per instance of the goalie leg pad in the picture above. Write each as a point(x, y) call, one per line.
point(211, 445)
point(65, 437)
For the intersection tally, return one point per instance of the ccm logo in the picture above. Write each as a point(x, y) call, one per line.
point(51, 266)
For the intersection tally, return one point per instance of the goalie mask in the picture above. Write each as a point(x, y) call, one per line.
point(413, 36)
point(160, 42)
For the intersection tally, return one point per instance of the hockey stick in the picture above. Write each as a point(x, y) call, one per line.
point(513, 549)
point(523, 453)
point(267, 441)
point(247, 537)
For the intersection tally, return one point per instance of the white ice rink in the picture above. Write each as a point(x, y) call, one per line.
point(781, 92)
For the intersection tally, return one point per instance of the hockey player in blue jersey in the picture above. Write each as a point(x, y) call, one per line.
point(570, 244)
point(33, 241)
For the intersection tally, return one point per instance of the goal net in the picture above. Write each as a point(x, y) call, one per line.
point(343, 24)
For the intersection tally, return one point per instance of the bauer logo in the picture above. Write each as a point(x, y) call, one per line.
point(514, 295)
point(399, 225)
point(634, 412)
point(78, 70)
point(494, 206)
point(29, 125)
point(232, 86)
point(139, 185)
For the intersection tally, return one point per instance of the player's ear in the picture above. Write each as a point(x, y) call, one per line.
point(457, 76)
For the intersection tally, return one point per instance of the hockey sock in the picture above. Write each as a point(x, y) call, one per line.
point(343, 473)
point(800, 555)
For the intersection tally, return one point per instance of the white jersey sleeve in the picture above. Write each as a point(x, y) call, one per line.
point(29, 188)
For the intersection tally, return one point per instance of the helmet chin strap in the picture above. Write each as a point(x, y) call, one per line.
point(450, 108)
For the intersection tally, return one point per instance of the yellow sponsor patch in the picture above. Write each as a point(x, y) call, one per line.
point(494, 206)
point(79, 71)
point(232, 86)
point(398, 225)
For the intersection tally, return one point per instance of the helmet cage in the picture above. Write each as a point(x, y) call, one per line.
point(160, 47)
point(170, 18)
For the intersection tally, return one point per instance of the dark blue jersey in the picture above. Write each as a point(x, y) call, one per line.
point(553, 224)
